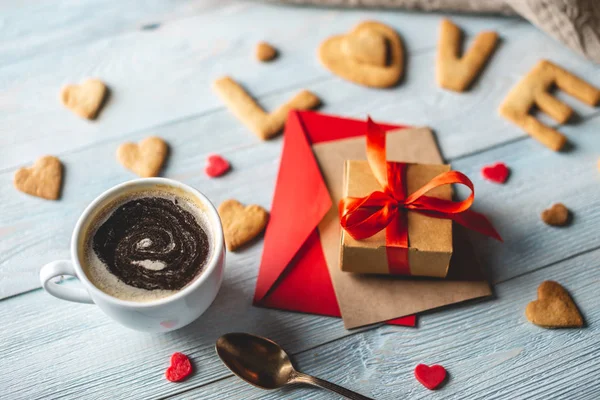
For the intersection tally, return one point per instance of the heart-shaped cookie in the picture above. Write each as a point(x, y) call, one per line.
point(367, 47)
point(216, 166)
point(557, 215)
point(241, 224)
point(43, 179)
point(348, 57)
point(498, 172)
point(180, 368)
point(84, 99)
point(554, 308)
point(144, 158)
point(430, 377)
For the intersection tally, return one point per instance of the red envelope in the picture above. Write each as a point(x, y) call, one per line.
point(293, 273)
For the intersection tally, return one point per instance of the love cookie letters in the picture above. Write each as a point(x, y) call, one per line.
point(262, 124)
point(370, 55)
point(533, 90)
point(454, 72)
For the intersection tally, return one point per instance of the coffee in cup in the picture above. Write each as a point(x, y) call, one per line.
point(146, 244)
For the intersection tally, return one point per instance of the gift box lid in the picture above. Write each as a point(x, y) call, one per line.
point(426, 234)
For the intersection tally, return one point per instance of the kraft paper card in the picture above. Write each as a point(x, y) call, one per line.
point(369, 299)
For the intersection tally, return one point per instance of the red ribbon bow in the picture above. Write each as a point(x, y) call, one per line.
point(364, 217)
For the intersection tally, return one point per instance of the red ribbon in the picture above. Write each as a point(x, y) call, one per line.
point(364, 217)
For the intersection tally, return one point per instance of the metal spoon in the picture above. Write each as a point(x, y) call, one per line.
point(263, 363)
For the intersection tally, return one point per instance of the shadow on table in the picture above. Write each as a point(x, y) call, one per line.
point(232, 311)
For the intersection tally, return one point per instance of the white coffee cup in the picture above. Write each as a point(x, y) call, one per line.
point(161, 315)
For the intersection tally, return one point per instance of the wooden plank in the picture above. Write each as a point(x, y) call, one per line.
point(160, 76)
point(178, 95)
point(489, 349)
point(62, 349)
point(30, 28)
point(164, 75)
point(35, 232)
point(538, 179)
point(91, 171)
point(33, 238)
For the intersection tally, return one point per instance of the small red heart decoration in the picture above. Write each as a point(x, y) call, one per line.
point(216, 166)
point(430, 377)
point(180, 367)
point(496, 173)
point(168, 324)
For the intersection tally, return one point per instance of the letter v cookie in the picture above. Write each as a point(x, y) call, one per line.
point(264, 125)
point(454, 72)
point(533, 90)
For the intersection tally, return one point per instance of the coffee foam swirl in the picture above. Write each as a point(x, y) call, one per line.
point(152, 243)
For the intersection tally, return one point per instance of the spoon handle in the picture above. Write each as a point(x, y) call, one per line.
point(311, 380)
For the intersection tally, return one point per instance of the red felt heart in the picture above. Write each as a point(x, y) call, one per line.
point(496, 173)
point(216, 165)
point(180, 367)
point(430, 377)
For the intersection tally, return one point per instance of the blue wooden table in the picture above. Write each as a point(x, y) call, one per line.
point(159, 58)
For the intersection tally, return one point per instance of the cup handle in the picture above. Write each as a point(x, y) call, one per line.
point(56, 269)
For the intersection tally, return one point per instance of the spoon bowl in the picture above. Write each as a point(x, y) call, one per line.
point(264, 364)
point(258, 361)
